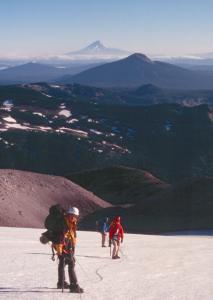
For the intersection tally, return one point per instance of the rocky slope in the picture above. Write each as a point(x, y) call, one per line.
point(25, 197)
point(119, 185)
point(186, 206)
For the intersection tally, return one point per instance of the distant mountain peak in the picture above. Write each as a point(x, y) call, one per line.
point(140, 56)
point(95, 46)
point(136, 70)
point(148, 89)
point(96, 43)
point(98, 49)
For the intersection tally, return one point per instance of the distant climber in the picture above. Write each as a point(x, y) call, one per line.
point(102, 226)
point(63, 241)
point(116, 235)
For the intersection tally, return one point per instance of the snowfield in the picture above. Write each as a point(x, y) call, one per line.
point(151, 267)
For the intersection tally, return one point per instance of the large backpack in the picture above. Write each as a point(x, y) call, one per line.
point(55, 224)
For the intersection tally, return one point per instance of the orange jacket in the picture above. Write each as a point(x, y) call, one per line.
point(69, 239)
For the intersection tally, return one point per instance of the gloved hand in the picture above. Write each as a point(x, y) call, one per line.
point(58, 248)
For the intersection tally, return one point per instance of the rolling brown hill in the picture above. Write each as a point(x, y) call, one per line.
point(119, 185)
point(189, 200)
point(186, 206)
point(25, 197)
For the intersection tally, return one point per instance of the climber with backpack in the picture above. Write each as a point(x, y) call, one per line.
point(61, 232)
point(116, 235)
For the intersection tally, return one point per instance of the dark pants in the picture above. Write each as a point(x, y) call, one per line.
point(67, 259)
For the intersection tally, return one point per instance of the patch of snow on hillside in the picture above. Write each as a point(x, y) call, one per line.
point(55, 86)
point(64, 112)
point(75, 131)
point(71, 121)
point(110, 134)
point(6, 142)
point(62, 105)
point(96, 131)
point(59, 131)
point(8, 104)
point(24, 127)
point(18, 126)
point(9, 119)
point(100, 151)
point(49, 96)
point(44, 128)
point(5, 108)
point(115, 147)
point(92, 121)
point(39, 114)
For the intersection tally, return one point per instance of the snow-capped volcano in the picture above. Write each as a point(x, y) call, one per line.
point(97, 49)
point(93, 53)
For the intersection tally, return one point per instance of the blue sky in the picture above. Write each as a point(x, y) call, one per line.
point(167, 27)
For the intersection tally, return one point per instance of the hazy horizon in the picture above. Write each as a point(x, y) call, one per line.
point(43, 28)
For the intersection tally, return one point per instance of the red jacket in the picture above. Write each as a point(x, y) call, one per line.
point(116, 231)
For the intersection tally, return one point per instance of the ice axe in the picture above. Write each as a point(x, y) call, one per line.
point(53, 253)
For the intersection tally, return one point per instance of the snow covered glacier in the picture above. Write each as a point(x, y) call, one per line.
point(151, 267)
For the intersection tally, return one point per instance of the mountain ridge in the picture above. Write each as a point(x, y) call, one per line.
point(138, 69)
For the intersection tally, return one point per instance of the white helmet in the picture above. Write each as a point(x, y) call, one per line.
point(73, 211)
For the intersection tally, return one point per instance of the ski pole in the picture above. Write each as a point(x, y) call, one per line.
point(63, 274)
